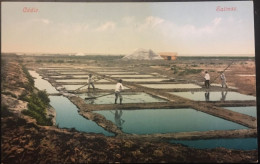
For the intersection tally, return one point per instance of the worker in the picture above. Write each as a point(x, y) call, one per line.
point(90, 81)
point(223, 80)
point(119, 88)
point(207, 78)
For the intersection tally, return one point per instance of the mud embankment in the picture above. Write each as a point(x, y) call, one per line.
point(23, 141)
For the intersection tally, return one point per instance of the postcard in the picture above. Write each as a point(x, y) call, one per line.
point(128, 82)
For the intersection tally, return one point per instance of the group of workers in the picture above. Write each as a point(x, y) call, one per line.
point(222, 78)
point(119, 87)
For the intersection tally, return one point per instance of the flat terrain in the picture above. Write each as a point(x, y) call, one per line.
point(23, 141)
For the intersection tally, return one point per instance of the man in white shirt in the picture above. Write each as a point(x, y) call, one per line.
point(207, 78)
point(119, 88)
point(90, 81)
point(223, 80)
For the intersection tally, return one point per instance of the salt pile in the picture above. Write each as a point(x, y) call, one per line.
point(143, 54)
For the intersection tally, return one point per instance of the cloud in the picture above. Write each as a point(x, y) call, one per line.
point(173, 30)
point(73, 28)
point(153, 21)
point(150, 22)
point(106, 26)
point(169, 28)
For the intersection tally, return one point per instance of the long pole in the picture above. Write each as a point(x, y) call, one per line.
point(222, 71)
point(87, 84)
point(98, 96)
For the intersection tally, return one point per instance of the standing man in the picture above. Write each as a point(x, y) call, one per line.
point(119, 88)
point(223, 80)
point(207, 78)
point(90, 81)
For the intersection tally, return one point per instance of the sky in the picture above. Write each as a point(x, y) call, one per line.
point(188, 28)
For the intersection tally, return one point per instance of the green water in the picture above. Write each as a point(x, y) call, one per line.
point(128, 97)
point(67, 116)
point(149, 121)
point(98, 86)
point(41, 83)
point(248, 110)
point(144, 80)
point(132, 76)
point(115, 73)
point(214, 96)
point(170, 86)
point(80, 80)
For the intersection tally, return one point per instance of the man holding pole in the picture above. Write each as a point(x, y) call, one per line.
point(223, 80)
point(119, 88)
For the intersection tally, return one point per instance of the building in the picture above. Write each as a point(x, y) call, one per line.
point(168, 55)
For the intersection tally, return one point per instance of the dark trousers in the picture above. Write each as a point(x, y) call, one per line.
point(207, 83)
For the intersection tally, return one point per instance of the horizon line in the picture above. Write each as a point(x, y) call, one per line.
point(115, 54)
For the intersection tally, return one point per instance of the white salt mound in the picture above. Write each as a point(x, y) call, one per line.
point(143, 54)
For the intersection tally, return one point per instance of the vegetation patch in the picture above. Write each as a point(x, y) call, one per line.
point(28, 86)
point(37, 105)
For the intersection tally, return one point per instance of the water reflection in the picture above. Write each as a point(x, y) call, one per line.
point(215, 96)
point(150, 121)
point(68, 116)
point(223, 95)
point(91, 96)
point(41, 83)
point(118, 120)
point(129, 97)
point(207, 96)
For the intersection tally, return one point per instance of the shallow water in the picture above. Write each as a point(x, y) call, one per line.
point(74, 73)
point(67, 116)
point(116, 73)
point(41, 83)
point(219, 85)
point(58, 76)
point(131, 76)
point(230, 143)
point(144, 80)
point(248, 110)
point(54, 68)
point(214, 96)
point(80, 80)
point(150, 121)
point(98, 86)
point(170, 86)
point(139, 97)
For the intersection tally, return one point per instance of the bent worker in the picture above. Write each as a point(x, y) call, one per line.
point(90, 81)
point(119, 88)
point(207, 78)
point(223, 80)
